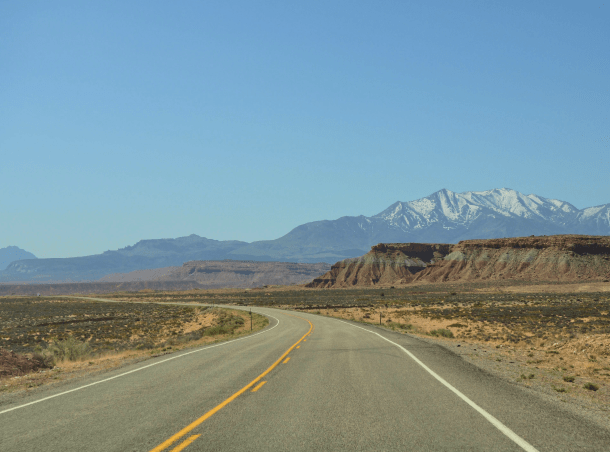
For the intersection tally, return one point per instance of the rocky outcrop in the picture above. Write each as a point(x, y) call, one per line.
point(543, 258)
point(386, 263)
point(552, 258)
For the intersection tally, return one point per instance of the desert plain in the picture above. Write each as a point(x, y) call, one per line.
point(543, 333)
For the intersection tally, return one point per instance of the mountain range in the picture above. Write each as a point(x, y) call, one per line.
point(443, 217)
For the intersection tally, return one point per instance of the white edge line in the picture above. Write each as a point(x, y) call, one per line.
point(495, 422)
point(144, 367)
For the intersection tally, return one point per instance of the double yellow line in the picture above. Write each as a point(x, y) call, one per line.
point(165, 444)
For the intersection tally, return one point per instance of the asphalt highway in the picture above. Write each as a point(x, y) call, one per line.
point(304, 383)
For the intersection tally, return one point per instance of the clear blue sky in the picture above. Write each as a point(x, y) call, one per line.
point(123, 120)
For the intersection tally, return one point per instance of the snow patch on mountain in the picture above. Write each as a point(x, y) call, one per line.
point(452, 209)
point(591, 211)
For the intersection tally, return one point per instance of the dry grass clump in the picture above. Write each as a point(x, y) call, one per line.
point(441, 332)
point(70, 349)
point(227, 323)
point(400, 326)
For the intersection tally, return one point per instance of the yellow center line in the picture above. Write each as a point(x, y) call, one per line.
point(286, 360)
point(258, 386)
point(165, 444)
point(186, 442)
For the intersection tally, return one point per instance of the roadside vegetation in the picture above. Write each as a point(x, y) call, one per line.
point(42, 340)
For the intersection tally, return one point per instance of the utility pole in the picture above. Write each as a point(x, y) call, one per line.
point(380, 317)
point(250, 319)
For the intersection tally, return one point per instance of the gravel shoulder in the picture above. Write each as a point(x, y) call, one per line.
point(511, 365)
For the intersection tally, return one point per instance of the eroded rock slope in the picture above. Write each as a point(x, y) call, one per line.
point(546, 258)
point(386, 263)
point(552, 258)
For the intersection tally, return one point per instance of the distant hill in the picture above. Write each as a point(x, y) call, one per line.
point(227, 273)
point(146, 254)
point(442, 217)
point(217, 274)
point(192, 275)
point(152, 274)
point(13, 253)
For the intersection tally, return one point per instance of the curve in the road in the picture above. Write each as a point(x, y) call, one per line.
point(164, 445)
point(495, 422)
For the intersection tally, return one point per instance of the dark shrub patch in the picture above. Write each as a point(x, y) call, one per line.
point(591, 386)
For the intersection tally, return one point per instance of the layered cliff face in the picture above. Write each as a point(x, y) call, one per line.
point(552, 258)
point(546, 258)
point(386, 263)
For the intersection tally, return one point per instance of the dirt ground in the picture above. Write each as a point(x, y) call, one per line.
point(577, 287)
point(27, 322)
point(116, 334)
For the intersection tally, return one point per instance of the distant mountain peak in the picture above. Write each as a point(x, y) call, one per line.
point(466, 207)
point(13, 253)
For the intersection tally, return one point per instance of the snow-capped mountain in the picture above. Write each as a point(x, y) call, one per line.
point(454, 210)
point(595, 220)
point(493, 213)
point(443, 217)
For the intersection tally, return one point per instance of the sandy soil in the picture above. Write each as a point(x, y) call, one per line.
point(552, 288)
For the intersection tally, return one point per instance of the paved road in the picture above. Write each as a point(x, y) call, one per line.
point(345, 387)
